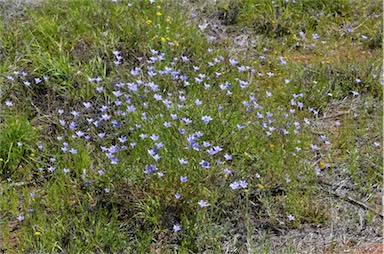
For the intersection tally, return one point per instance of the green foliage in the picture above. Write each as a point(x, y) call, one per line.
point(16, 140)
point(73, 197)
point(285, 18)
point(60, 39)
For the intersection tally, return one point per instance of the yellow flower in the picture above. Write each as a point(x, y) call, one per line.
point(162, 39)
point(175, 43)
point(260, 186)
point(148, 21)
point(322, 164)
point(1, 159)
point(246, 154)
point(37, 234)
point(246, 190)
point(32, 155)
point(168, 19)
point(168, 39)
point(158, 14)
point(271, 146)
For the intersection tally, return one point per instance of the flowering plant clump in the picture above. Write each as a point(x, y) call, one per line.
point(145, 126)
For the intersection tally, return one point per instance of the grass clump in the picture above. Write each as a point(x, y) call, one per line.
point(279, 19)
point(17, 137)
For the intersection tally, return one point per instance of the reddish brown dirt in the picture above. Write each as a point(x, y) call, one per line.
point(363, 249)
point(370, 249)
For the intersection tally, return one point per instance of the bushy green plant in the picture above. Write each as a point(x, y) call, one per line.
point(17, 137)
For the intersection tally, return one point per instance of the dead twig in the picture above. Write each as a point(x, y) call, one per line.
point(334, 116)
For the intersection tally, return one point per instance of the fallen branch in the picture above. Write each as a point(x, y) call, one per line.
point(334, 116)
